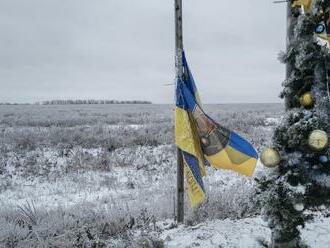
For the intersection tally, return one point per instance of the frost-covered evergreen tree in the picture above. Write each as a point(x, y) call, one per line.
point(300, 184)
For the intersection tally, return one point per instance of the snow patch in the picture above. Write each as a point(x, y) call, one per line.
point(241, 233)
point(222, 233)
point(271, 121)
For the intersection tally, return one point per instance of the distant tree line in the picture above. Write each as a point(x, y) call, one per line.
point(71, 102)
point(13, 103)
point(90, 101)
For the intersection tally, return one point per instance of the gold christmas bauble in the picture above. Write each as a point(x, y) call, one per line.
point(318, 140)
point(270, 157)
point(307, 100)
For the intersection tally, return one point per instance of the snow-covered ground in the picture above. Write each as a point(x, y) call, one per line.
point(143, 185)
point(146, 172)
point(97, 172)
point(220, 233)
point(130, 183)
point(242, 233)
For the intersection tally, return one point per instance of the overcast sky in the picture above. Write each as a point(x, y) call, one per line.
point(123, 49)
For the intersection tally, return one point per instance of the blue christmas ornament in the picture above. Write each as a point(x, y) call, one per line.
point(319, 29)
point(323, 159)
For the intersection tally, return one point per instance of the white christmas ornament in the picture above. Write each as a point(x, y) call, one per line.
point(318, 140)
point(270, 157)
point(299, 207)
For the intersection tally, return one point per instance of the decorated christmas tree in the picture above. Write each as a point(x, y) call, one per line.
point(299, 183)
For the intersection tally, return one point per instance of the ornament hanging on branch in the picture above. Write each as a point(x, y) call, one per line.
point(270, 157)
point(324, 159)
point(324, 33)
point(320, 28)
point(318, 140)
point(307, 100)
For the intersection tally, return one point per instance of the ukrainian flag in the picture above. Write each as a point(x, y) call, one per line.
point(202, 141)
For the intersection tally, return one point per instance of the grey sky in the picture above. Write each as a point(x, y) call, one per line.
point(123, 49)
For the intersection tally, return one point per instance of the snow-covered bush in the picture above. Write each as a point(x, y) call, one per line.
point(84, 226)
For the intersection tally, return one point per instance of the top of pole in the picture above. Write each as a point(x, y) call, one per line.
point(178, 38)
point(178, 26)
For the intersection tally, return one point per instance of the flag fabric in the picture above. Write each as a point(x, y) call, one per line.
point(306, 4)
point(202, 141)
point(188, 142)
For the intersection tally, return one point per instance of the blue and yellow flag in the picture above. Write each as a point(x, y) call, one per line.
point(202, 141)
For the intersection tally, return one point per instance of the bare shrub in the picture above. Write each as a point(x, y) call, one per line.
point(235, 199)
point(22, 138)
point(103, 161)
point(27, 215)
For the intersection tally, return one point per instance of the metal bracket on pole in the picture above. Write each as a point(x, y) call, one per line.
point(179, 74)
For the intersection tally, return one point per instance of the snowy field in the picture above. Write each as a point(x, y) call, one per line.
point(104, 176)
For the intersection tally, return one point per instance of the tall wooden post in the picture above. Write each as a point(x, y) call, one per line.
point(290, 24)
point(179, 74)
point(289, 33)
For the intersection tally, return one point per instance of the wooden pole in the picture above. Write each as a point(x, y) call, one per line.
point(179, 74)
point(289, 33)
